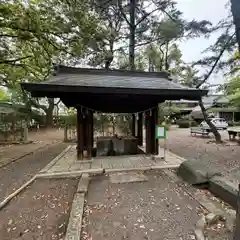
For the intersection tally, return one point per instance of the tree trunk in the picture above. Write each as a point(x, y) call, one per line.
point(49, 113)
point(210, 124)
point(166, 58)
point(236, 18)
point(132, 29)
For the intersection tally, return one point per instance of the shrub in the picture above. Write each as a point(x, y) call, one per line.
point(193, 123)
point(183, 123)
point(235, 124)
point(166, 125)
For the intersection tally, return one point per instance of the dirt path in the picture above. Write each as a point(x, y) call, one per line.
point(13, 175)
point(158, 209)
point(224, 158)
point(41, 211)
point(40, 139)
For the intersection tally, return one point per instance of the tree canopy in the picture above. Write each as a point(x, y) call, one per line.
point(145, 33)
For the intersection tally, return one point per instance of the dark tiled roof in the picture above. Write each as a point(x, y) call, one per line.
point(112, 79)
point(93, 80)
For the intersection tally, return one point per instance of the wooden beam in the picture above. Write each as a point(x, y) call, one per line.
point(133, 125)
point(140, 129)
point(80, 134)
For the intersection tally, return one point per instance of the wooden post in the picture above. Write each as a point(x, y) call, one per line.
point(237, 226)
point(152, 131)
point(80, 134)
point(148, 132)
point(140, 129)
point(92, 129)
point(156, 150)
point(25, 134)
point(89, 134)
point(65, 133)
point(133, 125)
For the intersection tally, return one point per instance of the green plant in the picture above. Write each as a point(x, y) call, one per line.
point(182, 123)
point(235, 124)
point(193, 123)
point(167, 125)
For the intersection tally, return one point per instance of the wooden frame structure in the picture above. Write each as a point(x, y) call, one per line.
point(115, 91)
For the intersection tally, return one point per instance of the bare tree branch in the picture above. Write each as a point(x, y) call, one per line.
point(123, 13)
point(13, 60)
point(145, 16)
point(215, 63)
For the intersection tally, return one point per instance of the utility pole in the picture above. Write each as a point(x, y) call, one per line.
point(236, 19)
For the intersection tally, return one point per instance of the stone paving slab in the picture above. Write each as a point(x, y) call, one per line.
point(127, 177)
point(67, 163)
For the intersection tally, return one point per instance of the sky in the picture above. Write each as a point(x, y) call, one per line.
point(212, 10)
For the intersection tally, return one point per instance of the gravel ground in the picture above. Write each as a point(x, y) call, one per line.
point(223, 157)
point(158, 209)
point(13, 175)
point(39, 212)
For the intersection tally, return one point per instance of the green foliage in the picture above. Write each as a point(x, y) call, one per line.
point(183, 123)
point(233, 91)
point(166, 124)
point(38, 34)
point(193, 123)
point(69, 120)
point(166, 110)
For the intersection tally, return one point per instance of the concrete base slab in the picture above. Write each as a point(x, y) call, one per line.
point(75, 220)
point(115, 170)
point(127, 177)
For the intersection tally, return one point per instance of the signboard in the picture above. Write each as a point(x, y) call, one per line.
point(160, 132)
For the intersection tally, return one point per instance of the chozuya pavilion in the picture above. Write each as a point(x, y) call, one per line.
point(112, 91)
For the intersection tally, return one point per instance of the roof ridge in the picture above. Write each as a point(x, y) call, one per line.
point(61, 69)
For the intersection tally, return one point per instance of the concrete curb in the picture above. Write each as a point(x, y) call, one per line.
point(101, 171)
point(75, 221)
point(167, 166)
point(83, 184)
point(46, 168)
